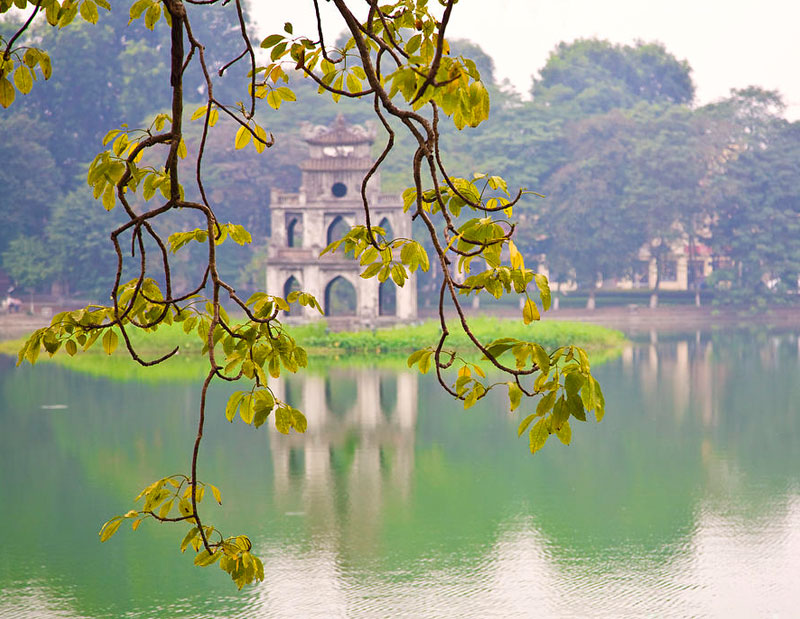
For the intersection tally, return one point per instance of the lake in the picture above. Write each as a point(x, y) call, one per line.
point(684, 501)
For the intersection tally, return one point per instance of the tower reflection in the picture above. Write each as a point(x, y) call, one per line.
point(357, 454)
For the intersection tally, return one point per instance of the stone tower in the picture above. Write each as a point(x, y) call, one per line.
point(326, 206)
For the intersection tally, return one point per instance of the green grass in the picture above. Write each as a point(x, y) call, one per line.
point(385, 347)
point(405, 339)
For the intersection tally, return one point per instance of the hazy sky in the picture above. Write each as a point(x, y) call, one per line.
point(728, 43)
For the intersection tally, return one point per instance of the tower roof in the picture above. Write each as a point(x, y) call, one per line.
point(338, 133)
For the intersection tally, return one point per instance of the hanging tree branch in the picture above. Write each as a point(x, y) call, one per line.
point(425, 83)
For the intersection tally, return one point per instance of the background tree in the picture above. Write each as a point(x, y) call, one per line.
point(27, 184)
point(757, 210)
point(668, 163)
point(23, 260)
point(585, 213)
point(593, 76)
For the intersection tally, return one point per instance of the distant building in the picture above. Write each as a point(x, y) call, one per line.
point(326, 206)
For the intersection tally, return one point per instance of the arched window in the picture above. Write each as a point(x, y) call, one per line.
point(337, 229)
point(387, 298)
point(340, 298)
point(294, 232)
point(291, 285)
point(387, 226)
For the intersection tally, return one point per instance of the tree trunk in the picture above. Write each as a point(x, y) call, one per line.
point(590, 302)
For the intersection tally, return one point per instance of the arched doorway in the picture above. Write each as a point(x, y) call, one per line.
point(387, 226)
point(291, 285)
point(387, 298)
point(337, 229)
point(340, 298)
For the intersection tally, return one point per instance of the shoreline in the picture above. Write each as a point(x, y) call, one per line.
point(630, 320)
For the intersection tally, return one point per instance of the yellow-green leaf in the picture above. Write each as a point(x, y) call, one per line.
point(7, 93)
point(242, 137)
point(217, 495)
point(152, 15)
point(23, 79)
point(517, 261)
point(109, 528)
point(189, 537)
point(538, 435)
point(110, 340)
point(89, 11)
point(529, 312)
point(525, 423)
point(564, 433)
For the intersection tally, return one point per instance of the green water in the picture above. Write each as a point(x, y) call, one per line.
point(685, 501)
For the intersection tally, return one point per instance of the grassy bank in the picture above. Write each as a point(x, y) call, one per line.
point(385, 347)
point(407, 338)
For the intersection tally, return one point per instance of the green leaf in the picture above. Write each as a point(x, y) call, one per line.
point(272, 40)
point(575, 407)
point(573, 383)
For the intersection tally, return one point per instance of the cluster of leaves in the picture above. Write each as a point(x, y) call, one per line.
point(174, 499)
point(382, 259)
point(21, 61)
point(422, 81)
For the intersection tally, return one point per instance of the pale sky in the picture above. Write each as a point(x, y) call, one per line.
point(728, 43)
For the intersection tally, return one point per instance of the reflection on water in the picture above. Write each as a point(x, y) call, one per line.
point(685, 501)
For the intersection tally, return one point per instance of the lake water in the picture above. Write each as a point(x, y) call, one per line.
point(684, 501)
